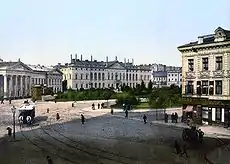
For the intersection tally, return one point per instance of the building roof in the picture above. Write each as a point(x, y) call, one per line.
point(208, 39)
point(103, 64)
point(160, 74)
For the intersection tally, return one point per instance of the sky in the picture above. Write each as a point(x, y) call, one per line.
point(149, 31)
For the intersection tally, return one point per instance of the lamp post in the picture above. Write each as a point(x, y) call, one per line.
point(13, 109)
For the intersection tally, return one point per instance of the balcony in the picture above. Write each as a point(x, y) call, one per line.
point(190, 75)
point(218, 73)
point(204, 74)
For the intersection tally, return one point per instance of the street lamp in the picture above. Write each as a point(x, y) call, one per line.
point(13, 109)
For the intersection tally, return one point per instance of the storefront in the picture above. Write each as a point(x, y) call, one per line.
point(208, 111)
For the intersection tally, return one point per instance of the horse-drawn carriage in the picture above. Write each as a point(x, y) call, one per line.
point(190, 134)
point(26, 113)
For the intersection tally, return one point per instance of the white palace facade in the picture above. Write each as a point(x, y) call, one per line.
point(87, 74)
point(17, 78)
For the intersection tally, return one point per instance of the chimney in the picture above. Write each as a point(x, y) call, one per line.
point(71, 57)
point(81, 57)
point(91, 57)
point(115, 58)
point(132, 61)
point(19, 60)
point(128, 60)
point(76, 57)
point(125, 61)
point(107, 59)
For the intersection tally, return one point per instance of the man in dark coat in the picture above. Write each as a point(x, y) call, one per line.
point(9, 131)
point(82, 119)
point(145, 118)
point(176, 117)
point(126, 113)
point(200, 134)
point(57, 116)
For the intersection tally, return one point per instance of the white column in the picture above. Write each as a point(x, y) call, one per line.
point(5, 86)
point(16, 86)
point(11, 86)
point(213, 114)
point(21, 85)
point(26, 85)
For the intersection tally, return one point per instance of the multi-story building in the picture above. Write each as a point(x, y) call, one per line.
point(206, 77)
point(174, 76)
point(86, 74)
point(17, 79)
point(159, 79)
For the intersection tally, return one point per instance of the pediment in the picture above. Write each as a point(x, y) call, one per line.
point(116, 66)
point(19, 67)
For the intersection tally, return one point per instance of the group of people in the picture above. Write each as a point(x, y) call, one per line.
point(99, 106)
point(2, 101)
point(174, 117)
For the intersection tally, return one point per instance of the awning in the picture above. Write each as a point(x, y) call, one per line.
point(188, 109)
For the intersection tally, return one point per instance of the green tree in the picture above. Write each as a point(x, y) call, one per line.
point(142, 86)
point(150, 85)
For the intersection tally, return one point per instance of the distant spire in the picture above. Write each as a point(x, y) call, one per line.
point(19, 60)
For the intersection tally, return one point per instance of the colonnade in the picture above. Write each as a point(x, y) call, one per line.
point(16, 86)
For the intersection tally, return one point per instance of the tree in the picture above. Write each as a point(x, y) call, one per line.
point(64, 85)
point(150, 85)
point(143, 85)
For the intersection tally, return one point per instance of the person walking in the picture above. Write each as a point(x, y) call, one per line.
point(57, 116)
point(111, 111)
point(126, 113)
point(98, 106)
point(201, 135)
point(82, 119)
point(176, 117)
point(9, 131)
point(145, 119)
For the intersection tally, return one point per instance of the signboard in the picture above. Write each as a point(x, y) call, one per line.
point(205, 101)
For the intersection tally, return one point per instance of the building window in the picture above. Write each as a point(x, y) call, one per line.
point(86, 85)
point(211, 87)
point(116, 76)
point(133, 77)
point(95, 85)
point(218, 87)
point(86, 76)
point(205, 64)
point(112, 76)
point(218, 114)
point(108, 76)
point(103, 85)
point(191, 65)
point(120, 76)
point(130, 77)
point(81, 76)
point(136, 77)
point(205, 113)
point(81, 85)
point(103, 76)
point(99, 76)
point(91, 76)
point(99, 85)
point(76, 86)
point(190, 87)
point(198, 88)
point(95, 76)
point(219, 63)
point(204, 87)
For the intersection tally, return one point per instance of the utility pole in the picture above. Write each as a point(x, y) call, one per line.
point(13, 109)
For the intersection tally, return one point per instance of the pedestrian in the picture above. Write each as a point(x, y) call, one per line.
point(177, 147)
point(49, 160)
point(200, 134)
point(9, 131)
point(102, 105)
point(57, 116)
point(93, 106)
point(2, 101)
point(55, 101)
point(184, 150)
point(126, 113)
point(82, 119)
point(166, 118)
point(145, 119)
point(172, 117)
point(176, 117)
point(98, 106)
point(9, 101)
point(48, 110)
point(112, 111)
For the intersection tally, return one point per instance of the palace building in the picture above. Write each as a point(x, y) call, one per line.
point(17, 78)
point(87, 74)
point(206, 77)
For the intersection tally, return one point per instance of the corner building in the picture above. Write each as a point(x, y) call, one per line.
point(206, 77)
point(87, 74)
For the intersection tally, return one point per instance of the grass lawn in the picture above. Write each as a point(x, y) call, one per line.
point(142, 105)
